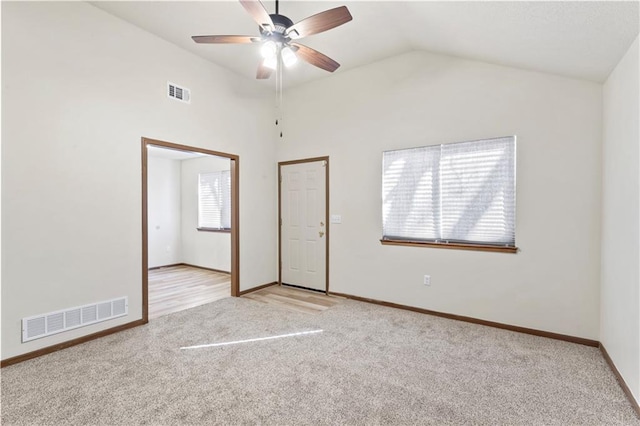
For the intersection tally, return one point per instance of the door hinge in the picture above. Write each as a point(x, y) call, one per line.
point(280, 178)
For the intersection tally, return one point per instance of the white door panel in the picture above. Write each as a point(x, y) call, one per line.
point(303, 229)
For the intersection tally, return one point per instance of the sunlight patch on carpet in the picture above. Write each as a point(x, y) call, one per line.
point(258, 339)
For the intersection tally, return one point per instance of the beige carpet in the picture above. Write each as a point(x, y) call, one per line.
point(369, 365)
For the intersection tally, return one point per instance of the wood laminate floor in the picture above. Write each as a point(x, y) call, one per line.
point(176, 288)
point(299, 300)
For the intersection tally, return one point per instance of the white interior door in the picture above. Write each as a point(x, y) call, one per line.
point(304, 224)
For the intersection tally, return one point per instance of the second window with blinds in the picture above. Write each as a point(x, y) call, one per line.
point(214, 201)
point(457, 195)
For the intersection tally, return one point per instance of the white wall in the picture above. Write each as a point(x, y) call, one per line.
point(420, 99)
point(164, 211)
point(202, 248)
point(79, 90)
point(620, 292)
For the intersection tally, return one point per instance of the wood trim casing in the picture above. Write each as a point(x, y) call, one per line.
point(153, 268)
point(69, 343)
point(304, 160)
point(191, 266)
point(234, 161)
point(180, 147)
point(326, 175)
point(205, 268)
point(621, 382)
point(145, 236)
point(557, 336)
point(279, 178)
point(260, 287)
point(222, 231)
point(454, 246)
point(328, 220)
point(235, 226)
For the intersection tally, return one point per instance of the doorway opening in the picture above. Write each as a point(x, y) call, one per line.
point(303, 234)
point(190, 227)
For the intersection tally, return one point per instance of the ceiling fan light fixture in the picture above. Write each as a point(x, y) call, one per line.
point(277, 35)
point(288, 57)
point(269, 49)
point(271, 63)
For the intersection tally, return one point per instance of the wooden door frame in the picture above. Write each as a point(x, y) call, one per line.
point(326, 174)
point(235, 216)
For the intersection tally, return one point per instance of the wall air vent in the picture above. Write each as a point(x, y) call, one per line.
point(181, 94)
point(43, 325)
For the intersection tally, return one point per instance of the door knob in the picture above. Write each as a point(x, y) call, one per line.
point(321, 223)
point(320, 234)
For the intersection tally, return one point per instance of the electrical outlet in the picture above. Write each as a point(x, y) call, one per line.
point(427, 280)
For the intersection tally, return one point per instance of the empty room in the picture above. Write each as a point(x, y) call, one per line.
point(417, 212)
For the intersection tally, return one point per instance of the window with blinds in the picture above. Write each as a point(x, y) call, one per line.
point(214, 200)
point(461, 193)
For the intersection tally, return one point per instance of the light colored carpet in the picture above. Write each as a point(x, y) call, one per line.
point(369, 365)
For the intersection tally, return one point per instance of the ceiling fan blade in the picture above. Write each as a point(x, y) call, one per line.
point(258, 13)
point(263, 72)
point(314, 57)
point(320, 22)
point(225, 39)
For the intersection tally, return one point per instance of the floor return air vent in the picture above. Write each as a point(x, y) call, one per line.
point(43, 325)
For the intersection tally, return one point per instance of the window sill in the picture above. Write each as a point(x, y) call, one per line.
point(224, 231)
point(455, 246)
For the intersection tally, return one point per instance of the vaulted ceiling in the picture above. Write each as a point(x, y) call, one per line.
point(577, 39)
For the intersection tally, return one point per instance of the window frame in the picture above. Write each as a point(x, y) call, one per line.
point(456, 244)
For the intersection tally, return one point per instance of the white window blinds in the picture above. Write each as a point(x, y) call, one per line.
point(214, 200)
point(459, 193)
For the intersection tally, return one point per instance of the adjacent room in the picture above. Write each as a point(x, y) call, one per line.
point(188, 229)
point(320, 212)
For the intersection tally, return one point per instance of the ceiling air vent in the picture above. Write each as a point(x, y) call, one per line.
point(179, 93)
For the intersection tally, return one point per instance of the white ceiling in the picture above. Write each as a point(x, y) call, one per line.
point(576, 39)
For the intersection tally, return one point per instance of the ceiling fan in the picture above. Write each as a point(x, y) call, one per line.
point(276, 35)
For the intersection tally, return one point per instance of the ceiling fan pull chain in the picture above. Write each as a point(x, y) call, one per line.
point(280, 105)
